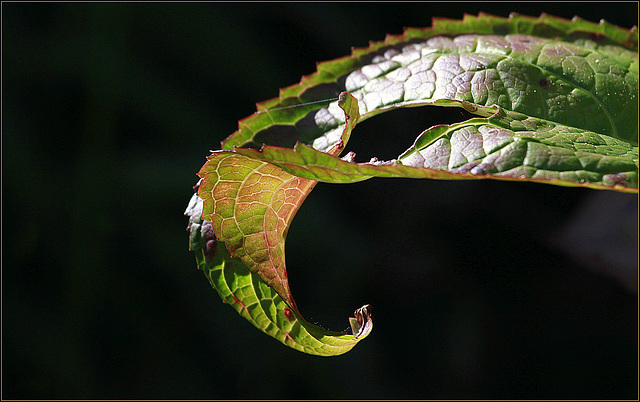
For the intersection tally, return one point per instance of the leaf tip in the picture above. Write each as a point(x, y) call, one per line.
point(362, 323)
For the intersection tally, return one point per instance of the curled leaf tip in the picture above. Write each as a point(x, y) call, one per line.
point(260, 304)
point(362, 323)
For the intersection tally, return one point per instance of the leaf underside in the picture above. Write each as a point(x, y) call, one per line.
point(556, 103)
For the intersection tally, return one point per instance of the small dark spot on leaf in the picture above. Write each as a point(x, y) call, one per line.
point(544, 83)
point(288, 313)
point(615, 179)
point(469, 107)
point(210, 248)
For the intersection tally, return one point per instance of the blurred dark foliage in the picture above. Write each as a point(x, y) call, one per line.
point(109, 110)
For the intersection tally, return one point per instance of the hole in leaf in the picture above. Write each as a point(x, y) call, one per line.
point(389, 134)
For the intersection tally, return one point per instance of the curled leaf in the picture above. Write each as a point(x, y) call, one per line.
point(248, 205)
point(556, 103)
point(260, 304)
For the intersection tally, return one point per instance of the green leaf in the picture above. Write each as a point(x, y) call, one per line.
point(556, 100)
point(251, 203)
point(504, 146)
point(575, 73)
point(260, 304)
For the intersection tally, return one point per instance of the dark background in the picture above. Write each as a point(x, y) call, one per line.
point(480, 289)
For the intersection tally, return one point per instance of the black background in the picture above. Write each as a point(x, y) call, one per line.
point(109, 110)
